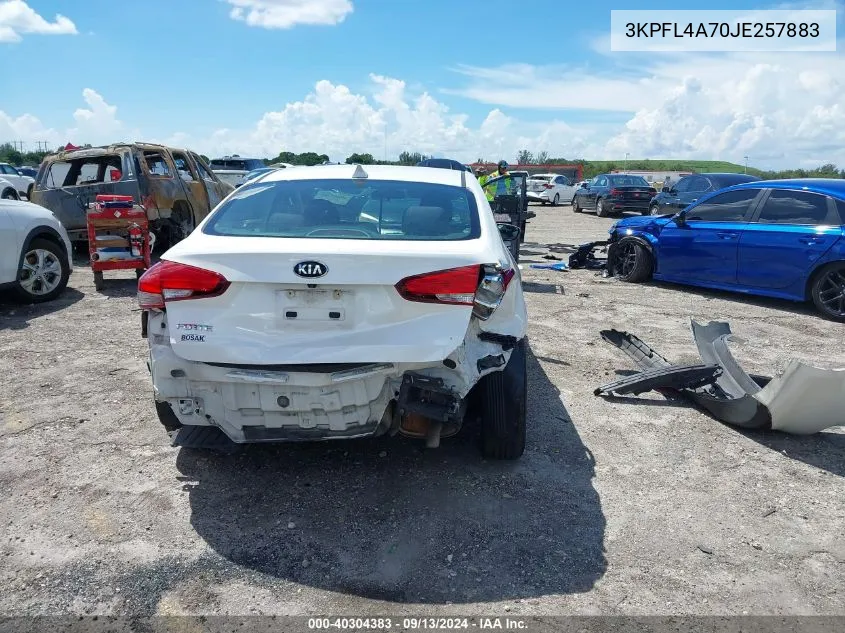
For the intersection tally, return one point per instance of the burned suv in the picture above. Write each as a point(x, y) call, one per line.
point(176, 186)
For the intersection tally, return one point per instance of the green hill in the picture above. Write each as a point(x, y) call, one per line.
point(593, 167)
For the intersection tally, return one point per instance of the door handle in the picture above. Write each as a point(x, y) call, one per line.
point(725, 235)
point(811, 240)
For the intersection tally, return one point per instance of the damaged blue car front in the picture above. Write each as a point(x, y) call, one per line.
point(779, 238)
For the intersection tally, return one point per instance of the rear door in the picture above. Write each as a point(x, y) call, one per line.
point(704, 247)
point(791, 232)
point(194, 188)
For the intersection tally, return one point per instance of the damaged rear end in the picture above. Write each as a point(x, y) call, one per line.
point(311, 310)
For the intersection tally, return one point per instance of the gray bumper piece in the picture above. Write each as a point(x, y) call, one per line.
point(803, 400)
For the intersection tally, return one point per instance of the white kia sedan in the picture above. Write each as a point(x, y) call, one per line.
point(341, 301)
point(551, 189)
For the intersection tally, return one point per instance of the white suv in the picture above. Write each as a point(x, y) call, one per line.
point(341, 301)
point(17, 185)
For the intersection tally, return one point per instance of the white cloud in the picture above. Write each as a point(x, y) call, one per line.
point(284, 14)
point(97, 124)
point(18, 18)
point(336, 121)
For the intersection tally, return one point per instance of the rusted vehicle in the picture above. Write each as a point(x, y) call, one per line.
point(176, 186)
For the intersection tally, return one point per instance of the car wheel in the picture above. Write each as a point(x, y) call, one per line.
point(576, 208)
point(43, 272)
point(600, 209)
point(828, 291)
point(654, 210)
point(9, 194)
point(556, 201)
point(632, 262)
point(504, 396)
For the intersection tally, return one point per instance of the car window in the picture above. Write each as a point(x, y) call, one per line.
point(541, 178)
point(6, 169)
point(797, 207)
point(204, 173)
point(343, 209)
point(730, 206)
point(603, 181)
point(698, 184)
point(682, 186)
point(561, 180)
point(156, 164)
point(183, 167)
point(628, 181)
point(83, 171)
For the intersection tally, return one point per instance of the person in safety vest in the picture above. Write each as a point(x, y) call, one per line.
point(481, 175)
point(501, 187)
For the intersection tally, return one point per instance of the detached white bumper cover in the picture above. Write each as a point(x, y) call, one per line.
point(805, 399)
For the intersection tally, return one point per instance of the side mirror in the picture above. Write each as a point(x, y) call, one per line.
point(666, 189)
point(509, 232)
point(585, 185)
point(681, 219)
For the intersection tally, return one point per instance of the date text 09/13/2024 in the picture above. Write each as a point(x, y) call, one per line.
point(422, 623)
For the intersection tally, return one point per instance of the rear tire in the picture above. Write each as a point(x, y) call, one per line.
point(556, 200)
point(600, 210)
point(654, 210)
point(29, 192)
point(504, 396)
point(576, 208)
point(633, 263)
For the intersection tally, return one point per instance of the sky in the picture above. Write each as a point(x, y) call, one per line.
point(466, 80)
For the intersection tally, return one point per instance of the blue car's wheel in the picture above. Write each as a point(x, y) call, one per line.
point(632, 262)
point(828, 291)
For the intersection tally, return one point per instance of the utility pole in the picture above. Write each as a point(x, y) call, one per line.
point(746, 164)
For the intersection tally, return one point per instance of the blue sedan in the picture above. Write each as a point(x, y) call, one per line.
point(776, 238)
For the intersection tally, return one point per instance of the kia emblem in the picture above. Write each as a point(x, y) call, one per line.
point(310, 269)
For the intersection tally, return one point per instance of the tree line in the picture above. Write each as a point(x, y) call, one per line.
point(10, 154)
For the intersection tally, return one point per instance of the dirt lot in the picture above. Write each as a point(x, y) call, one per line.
point(641, 507)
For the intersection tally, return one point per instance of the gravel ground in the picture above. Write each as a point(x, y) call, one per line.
point(628, 507)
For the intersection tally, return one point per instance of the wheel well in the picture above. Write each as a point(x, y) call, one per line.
point(44, 234)
point(808, 289)
point(8, 189)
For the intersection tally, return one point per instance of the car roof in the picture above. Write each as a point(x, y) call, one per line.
point(834, 187)
point(434, 175)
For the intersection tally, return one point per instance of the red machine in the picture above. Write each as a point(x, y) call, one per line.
point(118, 236)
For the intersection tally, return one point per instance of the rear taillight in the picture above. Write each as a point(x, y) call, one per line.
point(481, 287)
point(615, 192)
point(172, 281)
point(548, 186)
point(456, 286)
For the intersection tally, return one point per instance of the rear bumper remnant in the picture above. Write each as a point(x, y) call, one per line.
point(803, 400)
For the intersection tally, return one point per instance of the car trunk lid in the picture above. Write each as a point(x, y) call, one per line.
point(346, 310)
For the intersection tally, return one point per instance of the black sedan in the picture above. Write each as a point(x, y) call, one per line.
point(690, 188)
point(614, 193)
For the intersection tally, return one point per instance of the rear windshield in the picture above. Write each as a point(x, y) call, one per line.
point(346, 209)
point(543, 178)
point(628, 181)
point(241, 164)
point(83, 171)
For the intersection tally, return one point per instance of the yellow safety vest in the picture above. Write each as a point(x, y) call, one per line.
point(501, 187)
